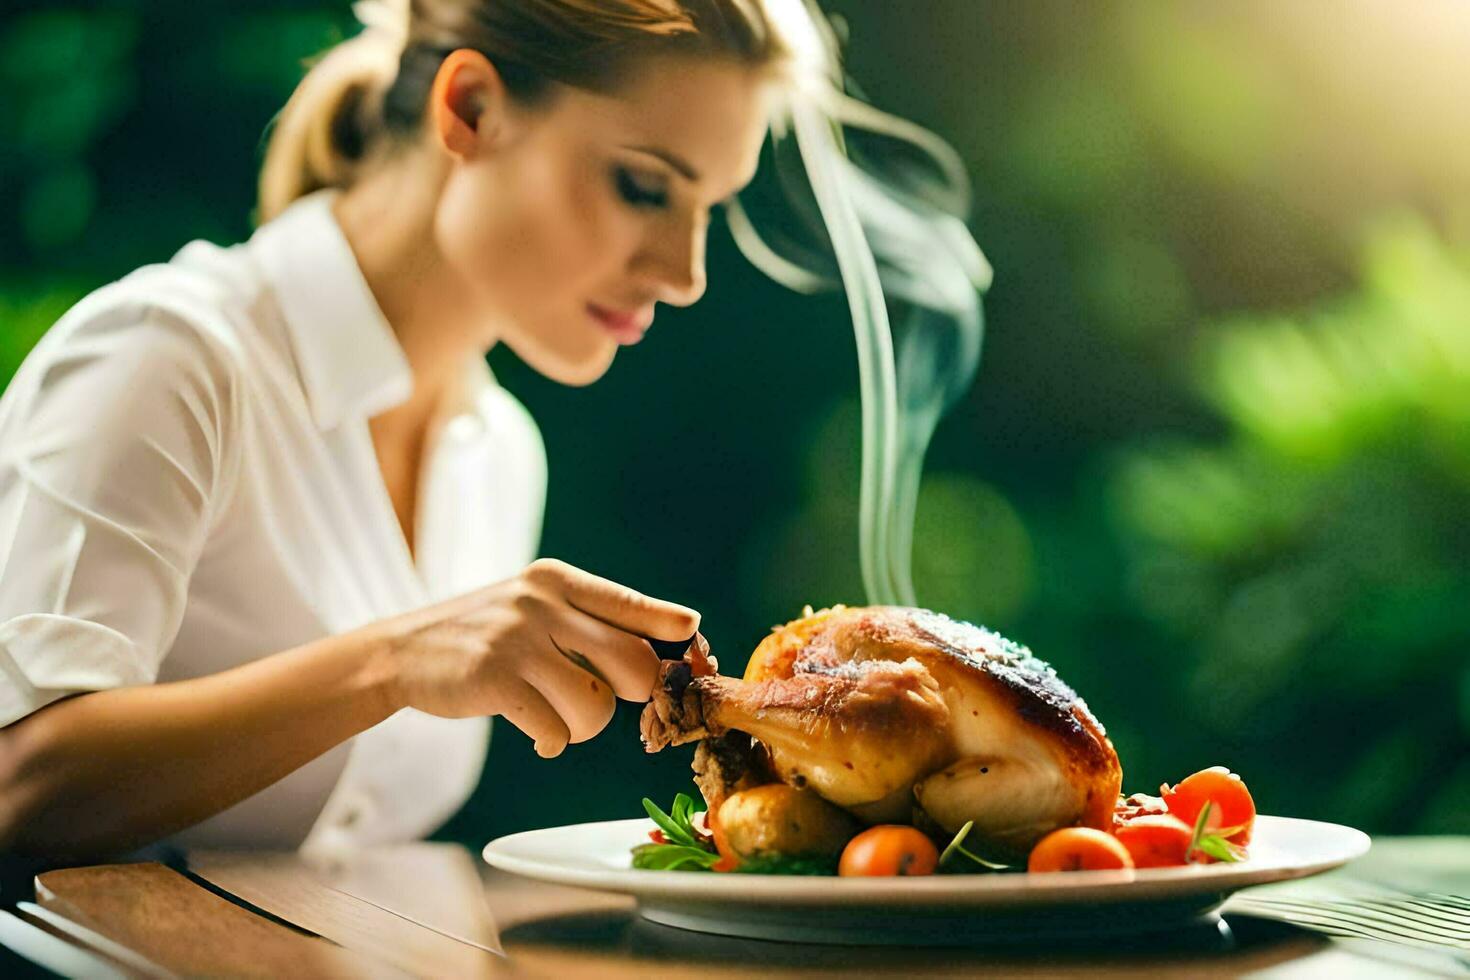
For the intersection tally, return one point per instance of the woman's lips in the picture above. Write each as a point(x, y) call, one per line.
point(626, 326)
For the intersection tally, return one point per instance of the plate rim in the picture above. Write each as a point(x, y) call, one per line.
point(1075, 886)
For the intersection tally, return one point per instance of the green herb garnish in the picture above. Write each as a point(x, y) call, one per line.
point(949, 858)
point(688, 848)
point(678, 826)
point(1214, 845)
point(786, 864)
point(672, 857)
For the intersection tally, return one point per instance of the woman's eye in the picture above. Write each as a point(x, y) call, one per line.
point(641, 192)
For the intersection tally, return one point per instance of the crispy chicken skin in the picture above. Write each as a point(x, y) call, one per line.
point(877, 709)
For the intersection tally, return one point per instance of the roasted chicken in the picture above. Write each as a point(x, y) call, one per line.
point(895, 715)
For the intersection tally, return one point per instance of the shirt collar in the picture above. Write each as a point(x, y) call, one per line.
point(350, 361)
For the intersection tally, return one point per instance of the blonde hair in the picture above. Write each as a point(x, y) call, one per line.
point(373, 87)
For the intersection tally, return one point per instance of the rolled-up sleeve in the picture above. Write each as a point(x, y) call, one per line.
point(114, 440)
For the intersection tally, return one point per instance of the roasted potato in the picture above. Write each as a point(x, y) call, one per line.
point(780, 819)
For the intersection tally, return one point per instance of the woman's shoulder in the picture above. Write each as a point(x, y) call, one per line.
point(205, 290)
point(187, 319)
point(163, 331)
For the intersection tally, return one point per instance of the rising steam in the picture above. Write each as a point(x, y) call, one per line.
point(874, 205)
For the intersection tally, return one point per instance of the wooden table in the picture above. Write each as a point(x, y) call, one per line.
point(433, 910)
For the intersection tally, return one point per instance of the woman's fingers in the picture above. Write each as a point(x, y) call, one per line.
point(550, 650)
point(584, 702)
point(616, 604)
point(625, 661)
point(525, 707)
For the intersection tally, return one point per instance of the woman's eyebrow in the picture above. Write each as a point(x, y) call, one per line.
point(672, 159)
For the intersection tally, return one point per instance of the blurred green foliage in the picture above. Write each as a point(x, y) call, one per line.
point(1216, 467)
point(1311, 564)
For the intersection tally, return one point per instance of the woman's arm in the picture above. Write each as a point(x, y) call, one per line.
point(105, 772)
point(548, 649)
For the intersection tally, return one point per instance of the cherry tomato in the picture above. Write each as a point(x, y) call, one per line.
point(1234, 812)
point(1156, 840)
point(889, 849)
point(1078, 849)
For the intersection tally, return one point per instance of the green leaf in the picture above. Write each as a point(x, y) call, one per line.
point(948, 861)
point(683, 812)
point(1220, 849)
point(954, 845)
point(672, 857)
point(1214, 845)
point(1199, 831)
point(675, 833)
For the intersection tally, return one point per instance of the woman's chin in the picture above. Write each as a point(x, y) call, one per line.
point(574, 369)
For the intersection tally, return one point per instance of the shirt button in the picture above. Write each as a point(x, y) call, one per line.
point(355, 809)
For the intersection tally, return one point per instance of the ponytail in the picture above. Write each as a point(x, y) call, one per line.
point(330, 123)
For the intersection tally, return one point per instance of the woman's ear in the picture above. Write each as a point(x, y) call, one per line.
point(468, 104)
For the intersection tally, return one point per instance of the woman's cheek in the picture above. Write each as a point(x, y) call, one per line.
point(544, 236)
point(591, 235)
point(536, 246)
point(470, 227)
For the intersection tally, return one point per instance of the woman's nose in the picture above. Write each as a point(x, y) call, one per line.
point(674, 261)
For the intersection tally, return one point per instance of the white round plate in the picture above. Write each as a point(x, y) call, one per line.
point(945, 909)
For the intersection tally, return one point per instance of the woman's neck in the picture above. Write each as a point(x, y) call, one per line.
point(388, 220)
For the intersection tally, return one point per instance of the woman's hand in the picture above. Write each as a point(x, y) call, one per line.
point(548, 650)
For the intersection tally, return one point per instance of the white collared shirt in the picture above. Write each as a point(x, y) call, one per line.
point(188, 483)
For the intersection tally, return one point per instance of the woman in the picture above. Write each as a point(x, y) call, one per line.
point(252, 501)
